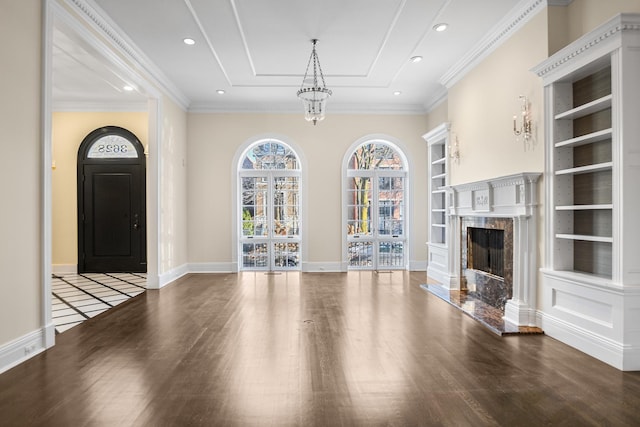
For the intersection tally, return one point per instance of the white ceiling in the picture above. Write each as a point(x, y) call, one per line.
point(257, 51)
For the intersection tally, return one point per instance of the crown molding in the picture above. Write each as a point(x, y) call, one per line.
point(590, 42)
point(287, 108)
point(99, 21)
point(520, 15)
point(559, 2)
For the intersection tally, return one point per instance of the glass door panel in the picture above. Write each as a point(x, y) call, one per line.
point(254, 210)
point(390, 206)
point(391, 255)
point(270, 235)
point(255, 255)
point(285, 206)
point(360, 254)
point(375, 221)
point(286, 255)
point(359, 206)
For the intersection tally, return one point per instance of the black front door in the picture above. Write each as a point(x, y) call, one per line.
point(111, 204)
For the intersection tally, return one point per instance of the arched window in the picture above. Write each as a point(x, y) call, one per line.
point(375, 204)
point(269, 224)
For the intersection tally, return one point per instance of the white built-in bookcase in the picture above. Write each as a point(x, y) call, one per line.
point(439, 247)
point(591, 277)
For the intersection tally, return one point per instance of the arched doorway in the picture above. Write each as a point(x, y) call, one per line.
point(269, 182)
point(375, 204)
point(112, 234)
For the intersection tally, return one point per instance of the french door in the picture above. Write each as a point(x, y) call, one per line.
point(270, 225)
point(375, 225)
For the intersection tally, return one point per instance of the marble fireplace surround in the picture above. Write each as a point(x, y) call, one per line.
point(489, 288)
point(511, 197)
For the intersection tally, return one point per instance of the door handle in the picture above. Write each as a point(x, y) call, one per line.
point(136, 224)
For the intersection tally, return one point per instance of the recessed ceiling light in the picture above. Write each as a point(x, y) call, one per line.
point(220, 92)
point(415, 59)
point(440, 27)
point(189, 41)
point(128, 88)
point(397, 93)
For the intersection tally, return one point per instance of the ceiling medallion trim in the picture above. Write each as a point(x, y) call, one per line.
point(90, 13)
point(499, 34)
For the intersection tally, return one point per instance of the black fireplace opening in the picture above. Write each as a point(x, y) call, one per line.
point(486, 250)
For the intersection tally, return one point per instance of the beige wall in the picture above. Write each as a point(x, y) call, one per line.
point(173, 188)
point(483, 103)
point(585, 15)
point(68, 131)
point(215, 138)
point(438, 115)
point(558, 32)
point(20, 175)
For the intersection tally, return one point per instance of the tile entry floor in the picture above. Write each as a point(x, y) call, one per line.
point(78, 297)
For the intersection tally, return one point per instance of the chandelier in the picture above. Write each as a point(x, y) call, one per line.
point(314, 97)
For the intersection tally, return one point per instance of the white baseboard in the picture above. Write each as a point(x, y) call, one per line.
point(417, 265)
point(611, 352)
point(324, 267)
point(62, 269)
point(443, 278)
point(169, 276)
point(212, 267)
point(17, 351)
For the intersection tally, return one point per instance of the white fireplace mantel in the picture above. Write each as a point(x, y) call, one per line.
point(507, 196)
point(512, 196)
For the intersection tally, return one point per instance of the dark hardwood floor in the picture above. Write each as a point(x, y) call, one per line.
point(311, 350)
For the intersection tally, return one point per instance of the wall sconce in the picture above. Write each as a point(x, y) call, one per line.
point(525, 125)
point(454, 150)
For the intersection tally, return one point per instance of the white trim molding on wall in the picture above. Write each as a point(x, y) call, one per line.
point(171, 276)
point(116, 40)
point(17, 351)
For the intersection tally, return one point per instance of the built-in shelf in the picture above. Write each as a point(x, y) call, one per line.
point(592, 237)
point(584, 207)
point(598, 136)
point(439, 257)
point(586, 109)
point(584, 237)
point(586, 169)
point(581, 208)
